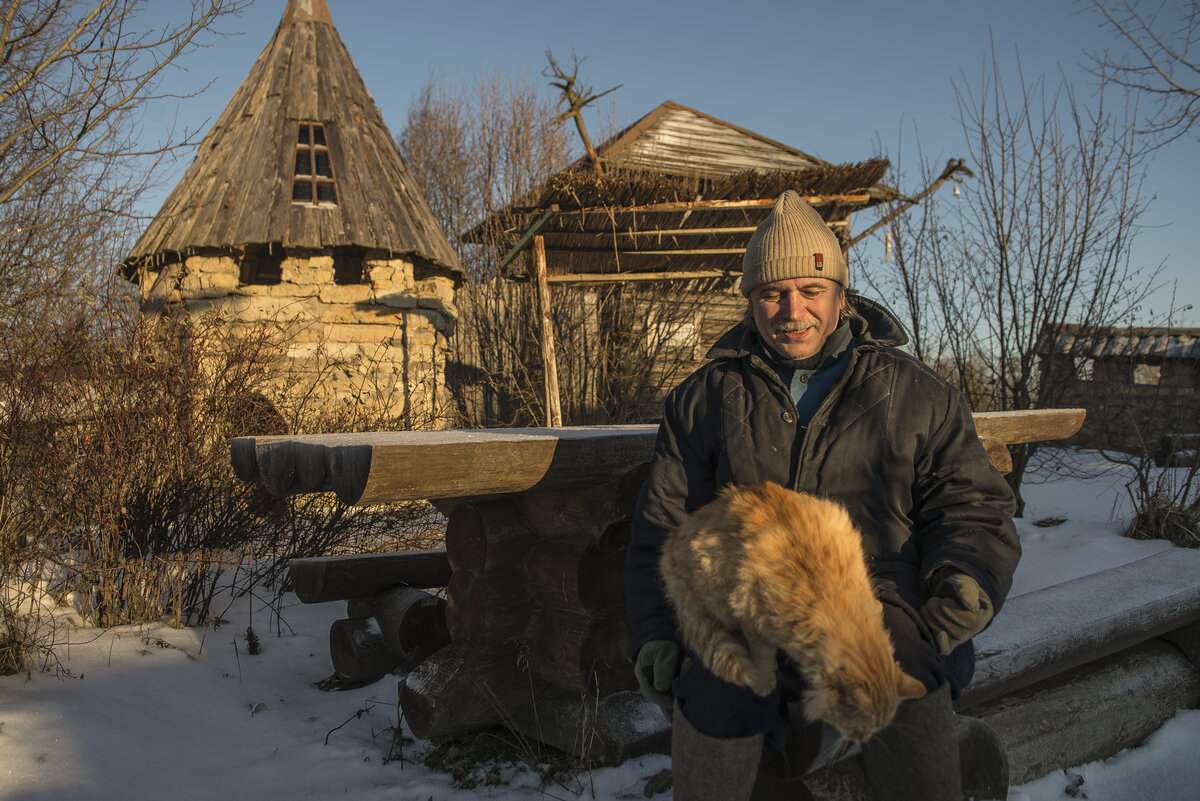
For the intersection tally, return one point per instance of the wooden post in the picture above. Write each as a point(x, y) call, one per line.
point(550, 365)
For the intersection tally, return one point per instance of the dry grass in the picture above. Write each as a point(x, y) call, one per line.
point(1163, 517)
point(584, 188)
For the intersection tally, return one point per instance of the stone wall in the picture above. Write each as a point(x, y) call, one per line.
point(367, 332)
point(1131, 405)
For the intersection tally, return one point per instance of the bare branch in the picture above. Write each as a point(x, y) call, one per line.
point(1162, 64)
point(576, 99)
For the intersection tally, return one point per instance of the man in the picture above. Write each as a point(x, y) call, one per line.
point(816, 397)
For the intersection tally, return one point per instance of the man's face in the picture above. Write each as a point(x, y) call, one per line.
point(797, 315)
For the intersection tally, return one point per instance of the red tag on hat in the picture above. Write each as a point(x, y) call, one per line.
point(819, 261)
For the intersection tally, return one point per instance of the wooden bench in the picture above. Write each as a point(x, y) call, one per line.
point(538, 523)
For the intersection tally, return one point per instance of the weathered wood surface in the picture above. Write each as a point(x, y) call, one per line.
point(465, 686)
point(553, 403)
point(572, 575)
point(998, 454)
point(580, 651)
point(468, 686)
point(491, 605)
point(412, 622)
point(1053, 630)
point(486, 533)
point(357, 650)
point(410, 465)
point(1033, 425)
point(334, 578)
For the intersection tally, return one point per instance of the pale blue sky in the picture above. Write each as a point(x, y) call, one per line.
point(832, 79)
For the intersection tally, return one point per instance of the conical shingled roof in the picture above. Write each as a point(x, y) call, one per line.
point(238, 191)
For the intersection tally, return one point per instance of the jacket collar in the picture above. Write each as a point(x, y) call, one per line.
point(873, 326)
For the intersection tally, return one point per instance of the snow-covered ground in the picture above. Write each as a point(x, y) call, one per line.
point(157, 713)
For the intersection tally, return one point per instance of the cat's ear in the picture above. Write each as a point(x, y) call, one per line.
point(910, 687)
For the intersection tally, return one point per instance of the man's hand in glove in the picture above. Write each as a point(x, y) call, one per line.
point(656, 667)
point(957, 609)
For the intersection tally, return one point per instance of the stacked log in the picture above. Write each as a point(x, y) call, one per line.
point(395, 628)
point(391, 622)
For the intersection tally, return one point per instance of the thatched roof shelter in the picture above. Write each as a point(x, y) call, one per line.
point(300, 158)
point(677, 196)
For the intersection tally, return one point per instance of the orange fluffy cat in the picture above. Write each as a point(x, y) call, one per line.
point(763, 569)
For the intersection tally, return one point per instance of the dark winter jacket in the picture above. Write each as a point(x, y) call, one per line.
point(892, 442)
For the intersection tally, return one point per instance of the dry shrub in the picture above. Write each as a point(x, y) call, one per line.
point(1161, 517)
point(116, 492)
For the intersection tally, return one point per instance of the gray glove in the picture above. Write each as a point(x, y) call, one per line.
point(656, 667)
point(957, 609)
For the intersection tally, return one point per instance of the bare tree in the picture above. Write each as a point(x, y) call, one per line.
point(1041, 236)
point(476, 152)
point(1161, 66)
point(476, 149)
point(74, 76)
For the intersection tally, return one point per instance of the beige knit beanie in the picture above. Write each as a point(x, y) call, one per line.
point(793, 242)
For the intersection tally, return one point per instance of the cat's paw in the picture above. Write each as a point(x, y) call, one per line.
point(733, 666)
point(762, 684)
point(737, 668)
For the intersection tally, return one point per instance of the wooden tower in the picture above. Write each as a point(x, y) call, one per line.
point(299, 211)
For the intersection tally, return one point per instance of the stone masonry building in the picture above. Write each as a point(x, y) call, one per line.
point(298, 212)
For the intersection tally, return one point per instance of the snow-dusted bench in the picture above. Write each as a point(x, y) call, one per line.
point(1079, 670)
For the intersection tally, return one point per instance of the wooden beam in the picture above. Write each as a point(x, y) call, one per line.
point(699, 205)
point(335, 578)
point(527, 237)
point(655, 232)
point(616, 278)
point(380, 467)
point(671, 252)
point(549, 362)
point(1112, 704)
point(1068, 625)
point(998, 454)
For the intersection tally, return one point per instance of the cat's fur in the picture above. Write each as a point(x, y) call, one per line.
point(763, 569)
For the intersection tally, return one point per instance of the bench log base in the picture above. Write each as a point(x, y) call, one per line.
point(1094, 712)
point(468, 686)
point(393, 629)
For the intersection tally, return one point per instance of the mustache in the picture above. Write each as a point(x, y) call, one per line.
point(794, 327)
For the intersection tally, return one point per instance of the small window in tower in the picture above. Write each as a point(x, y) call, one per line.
point(348, 267)
point(312, 175)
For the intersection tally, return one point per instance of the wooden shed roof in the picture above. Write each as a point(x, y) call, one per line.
point(1151, 345)
point(680, 194)
point(238, 190)
point(678, 140)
